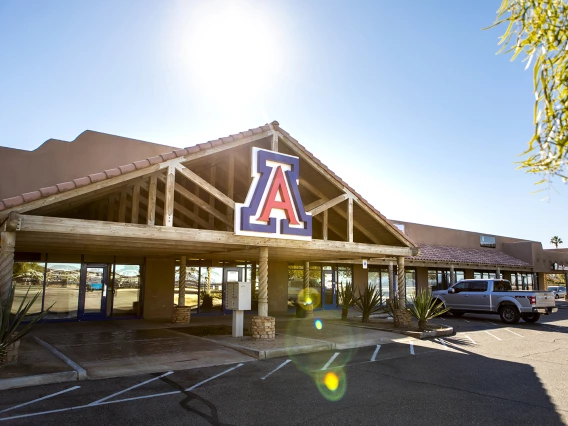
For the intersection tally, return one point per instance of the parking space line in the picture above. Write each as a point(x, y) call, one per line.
point(214, 377)
point(466, 320)
point(377, 349)
point(492, 335)
point(471, 340)
point(40, 399)
point(130, 388)
point(276, 369)
point(330, 361)
point(516, 334)
point(443, 342)
point(412, 348)
point(492, 323)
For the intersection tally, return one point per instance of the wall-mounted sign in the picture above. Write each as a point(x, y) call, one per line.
point(485, 241)
point(559, 267)
point(273, 207)
point(364, 263)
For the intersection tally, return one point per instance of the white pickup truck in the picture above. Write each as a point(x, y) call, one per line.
point(492, 296)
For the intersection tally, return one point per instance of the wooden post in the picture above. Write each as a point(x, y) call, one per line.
point(110, 209)
point(122, 206)
point(182, 277)
point(401, 281)
point(151, 215)
point(231, 188)
point(452, 275)
point(498, 273)
point(392, 292)
point(135, 203)
point(253, 280)
point(169, 203)
point(350, 219)
point(306, 276)
point(325, 225)
point(274, 143)
point(7, 246)
point(263, 283)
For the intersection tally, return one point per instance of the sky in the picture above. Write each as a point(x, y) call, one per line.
point(406, 101)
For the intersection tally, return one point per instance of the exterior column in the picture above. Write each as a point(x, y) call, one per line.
point(306, 275)
point(452, 275)
point(391, 281)
point(7, 246)
point(182, 278)
point(263, 283)
point(401, 280)
point(498, 274)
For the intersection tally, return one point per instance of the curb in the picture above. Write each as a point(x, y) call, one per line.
point(39, 379)
point(80, 371)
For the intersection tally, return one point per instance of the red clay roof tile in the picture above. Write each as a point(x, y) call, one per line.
point(14, 201)
point(82, 181)
point(142, 164)
point(97, 177)
point(50, 190)
point(482, 256)
point(113, 172)
point(127, 168)
point(31, 196)
point(66, 186)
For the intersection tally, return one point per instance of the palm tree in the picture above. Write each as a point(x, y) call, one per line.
point(556, 240)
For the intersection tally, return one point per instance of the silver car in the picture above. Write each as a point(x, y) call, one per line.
point(558, 290)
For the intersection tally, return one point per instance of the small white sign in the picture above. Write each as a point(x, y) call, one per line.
point(364, 263)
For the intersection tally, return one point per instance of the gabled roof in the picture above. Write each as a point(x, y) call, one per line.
point(459, 255)
point(22, 199)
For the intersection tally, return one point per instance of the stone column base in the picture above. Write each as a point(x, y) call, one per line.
point(402, 318)
point(263, 327)
point(182, 315)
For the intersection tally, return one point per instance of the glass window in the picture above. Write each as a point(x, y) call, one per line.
point(211, 297)
point(501, 286)
point(410, 283)
point(126, 291)
point(295, 283)
point(438, 279)
point(379, 278)
point(463, 286)
point(191, 286)
point(28, 279)
point(62, 290)
point(478, 286)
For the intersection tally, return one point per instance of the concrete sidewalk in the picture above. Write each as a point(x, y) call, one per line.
point(58, 352)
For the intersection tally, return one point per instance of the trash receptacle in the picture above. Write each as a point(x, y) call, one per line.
point(300, 310)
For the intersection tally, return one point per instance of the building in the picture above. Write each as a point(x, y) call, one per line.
point(114, 227)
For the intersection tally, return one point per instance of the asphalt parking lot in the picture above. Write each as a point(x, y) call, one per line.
point(487, 373)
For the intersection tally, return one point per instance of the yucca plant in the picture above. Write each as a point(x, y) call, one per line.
point(9, 322)
point(424, 308)
point(347, 298)
point(368, 302)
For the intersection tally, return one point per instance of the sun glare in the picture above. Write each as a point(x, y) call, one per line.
point(232, 50)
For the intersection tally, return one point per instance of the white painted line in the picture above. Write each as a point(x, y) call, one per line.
point(443, 342)
point(492, 335)
point(276, 369)
point(214, 377)
point(516, 334)
point(412, 348)
point(492, 323)
point(471, 340)
point(40, 399)
point(330, 361)
point(81, 372)
point(377, 349)
point(130, 388)
point(466, 320)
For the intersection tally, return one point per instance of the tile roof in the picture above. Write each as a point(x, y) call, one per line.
point(137, 165)
point(457, 255)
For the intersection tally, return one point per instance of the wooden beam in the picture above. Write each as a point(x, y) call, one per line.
point(135, 203)
point(170, 181)
point(123, 231)
point(198, 180)
point(231, 187)
point(110, 209)
point(122, 206)
point(274, 142)
point(202, 204)
point(152, 189)
point(213, 177)
point(325, 224)
point(350, 219)
point(329, 204)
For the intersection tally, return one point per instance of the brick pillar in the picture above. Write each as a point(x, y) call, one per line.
point(7, 246)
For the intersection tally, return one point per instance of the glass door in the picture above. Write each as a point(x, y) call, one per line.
point(93, 291)
point(328, 289)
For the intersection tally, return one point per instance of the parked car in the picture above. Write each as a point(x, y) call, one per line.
point(494, 296)
point(558, 290)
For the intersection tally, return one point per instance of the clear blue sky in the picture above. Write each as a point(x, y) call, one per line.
point(406, 101)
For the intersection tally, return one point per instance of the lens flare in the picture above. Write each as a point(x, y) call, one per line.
point(331, 381)
point(318, 324)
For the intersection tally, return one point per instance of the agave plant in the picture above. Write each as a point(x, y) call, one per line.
point(369, 302)
point(424, 308)
point(9, 322)
point(347, 298)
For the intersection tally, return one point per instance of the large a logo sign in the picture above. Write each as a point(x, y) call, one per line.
point(273, 207)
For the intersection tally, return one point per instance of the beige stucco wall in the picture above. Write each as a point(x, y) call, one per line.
point(360, 277)
point(58, 161)
point(277, 287)
point(421, 279)
point(159, 288)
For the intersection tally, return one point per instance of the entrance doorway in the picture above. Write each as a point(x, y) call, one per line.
point(329, 289)
point(93, 291)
